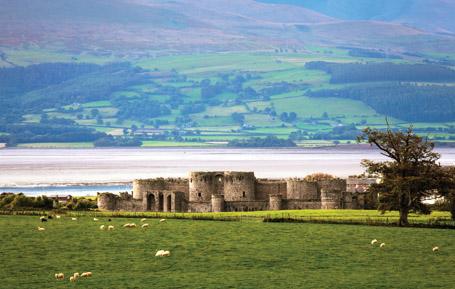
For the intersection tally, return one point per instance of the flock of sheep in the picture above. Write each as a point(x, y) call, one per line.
point(75, 276)
point(382, 245)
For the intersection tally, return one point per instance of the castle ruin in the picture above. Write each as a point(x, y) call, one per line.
point(235, 191)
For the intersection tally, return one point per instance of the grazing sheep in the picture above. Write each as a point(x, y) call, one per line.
point(86, 274)
point(110, 228)
point(76, 275)
point(374, 242)
point(162, 220)
point(72, 279)
point(59, 276)
point(43, 219)
point(74, 219)
point(58, 216)
point(162, 253)
point(382, 245)
point(145, 226)
point(95, 219)
point(102, 227)
point(435, 249)
point(41, 229)
point(130, 225)
point(143, 220)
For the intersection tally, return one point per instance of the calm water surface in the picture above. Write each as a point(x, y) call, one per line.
point(86, 171)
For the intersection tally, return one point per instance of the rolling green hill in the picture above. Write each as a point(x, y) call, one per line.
point(211, 99)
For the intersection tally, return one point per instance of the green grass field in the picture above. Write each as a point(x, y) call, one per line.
point(209, 254)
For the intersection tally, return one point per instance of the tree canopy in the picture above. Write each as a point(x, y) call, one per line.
point(411, 174)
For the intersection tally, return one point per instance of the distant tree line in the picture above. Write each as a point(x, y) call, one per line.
point(429, 103)
point(385, 71)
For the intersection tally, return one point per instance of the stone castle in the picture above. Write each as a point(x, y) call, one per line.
point(237, 191)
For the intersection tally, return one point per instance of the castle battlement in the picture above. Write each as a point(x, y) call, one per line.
point(236, 191)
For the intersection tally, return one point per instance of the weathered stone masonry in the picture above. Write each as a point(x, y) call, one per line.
point(236, 191)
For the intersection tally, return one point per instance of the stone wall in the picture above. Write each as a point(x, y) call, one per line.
point(140, 187)
point(122, 202)
point(301, 205)
point(246, 206)
point(266, 187)
point(199, 207)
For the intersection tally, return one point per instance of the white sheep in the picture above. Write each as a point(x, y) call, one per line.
point(143, 220)
point(72, 279)
point(435, 249)
point(145, 226)
point(59, 276)
point(41, 229)
point(86, 274)
point(110, 228)
point(374, 242)
point(102, 227)
point(162, 253)
point(162, 220)
point(42, 218)
point(382, 245)
point(74, 219)
point(95, 219)
point(76, 275)
point(58, 216)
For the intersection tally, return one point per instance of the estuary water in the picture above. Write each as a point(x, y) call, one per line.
point(87, 171)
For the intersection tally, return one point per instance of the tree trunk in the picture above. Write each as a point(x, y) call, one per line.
point(403, 217)
point(452, 203)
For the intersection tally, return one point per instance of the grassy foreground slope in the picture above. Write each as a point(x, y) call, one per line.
point(207, 254)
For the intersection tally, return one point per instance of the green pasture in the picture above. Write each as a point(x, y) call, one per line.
point(210, 254)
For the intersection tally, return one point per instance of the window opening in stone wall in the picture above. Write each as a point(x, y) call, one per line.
point(243, 194)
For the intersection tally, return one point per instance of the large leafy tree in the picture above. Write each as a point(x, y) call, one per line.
point(410, 174)
point(447, 189)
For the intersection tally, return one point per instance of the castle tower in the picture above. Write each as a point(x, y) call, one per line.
point(139, 187)
point(203, 185)
point(332, 192)
point(275, 202)
point(239, 186)
point(299, 189)
point(217, 203)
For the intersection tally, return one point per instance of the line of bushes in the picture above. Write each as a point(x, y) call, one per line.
point(431, 223)
point(15, 202)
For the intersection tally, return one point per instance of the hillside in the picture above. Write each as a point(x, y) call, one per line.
point(431, 15)
point(158, 73)
point(133, 26)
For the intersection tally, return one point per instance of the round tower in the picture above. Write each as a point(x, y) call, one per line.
point(239, 186)
point(107, 201)
point(139, 188)
point(299, 189)
point(330, 199)
point(202, 186)
point(275, 202)
point(217, 203)
point(332, 193)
